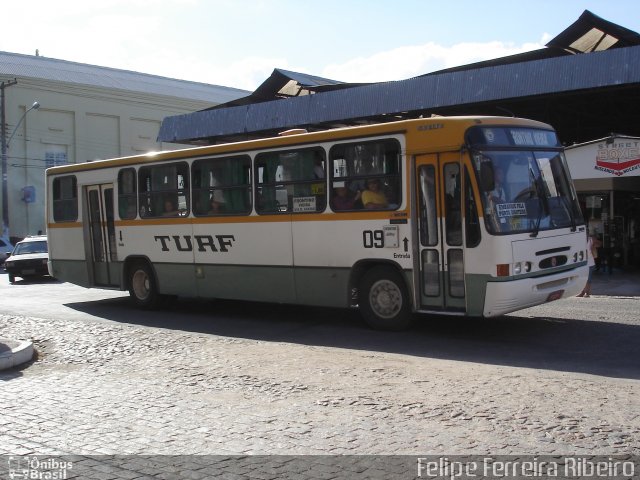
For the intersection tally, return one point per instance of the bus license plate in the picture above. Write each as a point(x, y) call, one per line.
point(555, 295)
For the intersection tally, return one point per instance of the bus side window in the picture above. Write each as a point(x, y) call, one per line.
point(127, 195)
point(160, 185)
point(65, 199)
point(371, 169)
point(291, 181)
point(222, 186)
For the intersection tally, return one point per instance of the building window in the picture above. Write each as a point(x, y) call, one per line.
point(55, 155)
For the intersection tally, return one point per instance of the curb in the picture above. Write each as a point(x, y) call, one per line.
point(14, 352)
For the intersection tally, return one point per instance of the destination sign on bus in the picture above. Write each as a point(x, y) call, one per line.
point(512, 136)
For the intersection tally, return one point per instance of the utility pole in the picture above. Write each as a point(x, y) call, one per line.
point(3, 134)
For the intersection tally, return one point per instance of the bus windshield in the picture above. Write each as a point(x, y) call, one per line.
point(526, 191)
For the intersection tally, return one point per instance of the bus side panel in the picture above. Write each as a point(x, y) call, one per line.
point(323, 287)
point(169, 249)
point(250, 260)
point(68, 264)
point(325, 252)
point(245, 282)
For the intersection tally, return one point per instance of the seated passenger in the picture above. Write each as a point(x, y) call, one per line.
point(170, 209)
point(216, 205)
point(372, 197)
point(343, 200)
point(498, 195)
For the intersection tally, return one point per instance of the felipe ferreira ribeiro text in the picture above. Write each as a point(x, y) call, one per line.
point(569, 467)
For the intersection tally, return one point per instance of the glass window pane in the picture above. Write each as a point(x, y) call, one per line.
point(430, 273)
point(164, 190)
point(127, 195)
point(453, 213)
point(291, 181)
point(222, 186)
point(366, 175)
point(456, 273)
point(65, 199)
point(428, 208)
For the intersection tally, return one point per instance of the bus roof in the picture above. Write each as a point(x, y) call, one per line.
point(295, 138)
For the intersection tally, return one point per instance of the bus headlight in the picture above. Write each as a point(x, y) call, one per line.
point(581, 255)
point(521, 267)
point(575, 257)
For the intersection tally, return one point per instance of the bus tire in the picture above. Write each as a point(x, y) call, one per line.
point(383, 299)
point(142, 286)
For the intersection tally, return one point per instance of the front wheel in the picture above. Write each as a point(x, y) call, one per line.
point(383, 299)
point(142, 286)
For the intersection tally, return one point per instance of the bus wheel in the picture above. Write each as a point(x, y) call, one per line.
point(142, 286)
point(384, 302)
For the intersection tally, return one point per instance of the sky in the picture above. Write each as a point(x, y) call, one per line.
point(238, 43)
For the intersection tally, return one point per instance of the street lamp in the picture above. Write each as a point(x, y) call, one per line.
point(5, 147)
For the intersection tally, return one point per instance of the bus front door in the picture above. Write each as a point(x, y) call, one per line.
point(439, 237)
point(101, 233)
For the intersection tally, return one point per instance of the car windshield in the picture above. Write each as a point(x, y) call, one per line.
point(526, 191)
point(25, 248)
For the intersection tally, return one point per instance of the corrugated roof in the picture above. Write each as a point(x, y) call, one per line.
point(30, 66)
point(591, 33)
point(284, 84)
point(527, 79)
point(282, 101)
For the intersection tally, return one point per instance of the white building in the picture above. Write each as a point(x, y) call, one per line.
point(85, 113)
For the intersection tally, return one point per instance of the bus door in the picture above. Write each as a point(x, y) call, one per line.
point(439, 237)
point(101, 235)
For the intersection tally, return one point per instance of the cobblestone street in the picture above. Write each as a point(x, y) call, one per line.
point(305, 381)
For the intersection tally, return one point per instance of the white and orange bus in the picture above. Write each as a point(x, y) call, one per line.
point(463, 215)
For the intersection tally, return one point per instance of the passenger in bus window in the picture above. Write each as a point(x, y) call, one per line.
point(217, 203)
point(373, 197)
point(318, 167)
point(343, 199)
point(498, 195)
point(170, 209)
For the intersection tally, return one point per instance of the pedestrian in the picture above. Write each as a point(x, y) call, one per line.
point(592, 252)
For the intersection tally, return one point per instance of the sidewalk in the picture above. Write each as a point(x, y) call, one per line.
point(617, 283)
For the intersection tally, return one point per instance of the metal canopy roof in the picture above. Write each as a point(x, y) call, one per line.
point(591, 33)
point(575, 93)
point(286, 84)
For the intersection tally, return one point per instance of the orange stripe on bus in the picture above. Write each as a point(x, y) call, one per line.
point(317, 217)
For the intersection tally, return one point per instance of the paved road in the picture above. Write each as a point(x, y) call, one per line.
point(232, 378)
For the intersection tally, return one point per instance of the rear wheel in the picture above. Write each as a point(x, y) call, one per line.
point(12, 278)
point(142, 285)
point(384, 302)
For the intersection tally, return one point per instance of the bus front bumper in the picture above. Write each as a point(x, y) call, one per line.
point(509, 296)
